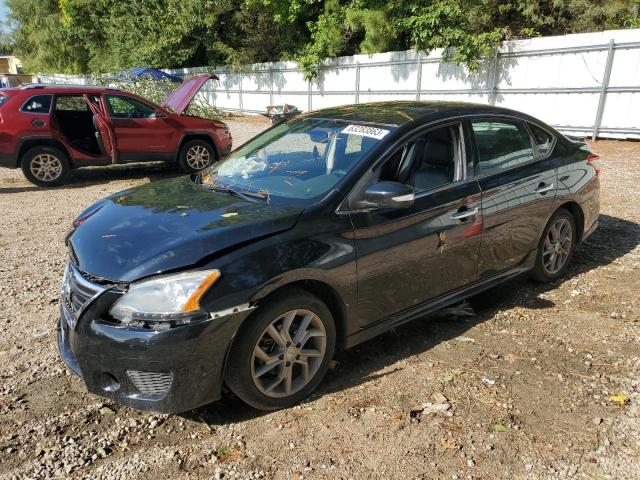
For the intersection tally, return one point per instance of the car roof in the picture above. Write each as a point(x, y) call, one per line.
point(397, 113)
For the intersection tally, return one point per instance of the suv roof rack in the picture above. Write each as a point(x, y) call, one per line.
point(35, 86)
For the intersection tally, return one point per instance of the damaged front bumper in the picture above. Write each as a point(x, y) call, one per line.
point(168, 371)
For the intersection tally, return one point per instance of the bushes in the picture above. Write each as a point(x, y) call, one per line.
point(156, 91)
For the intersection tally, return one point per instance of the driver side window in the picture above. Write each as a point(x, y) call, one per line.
point(124, 107)
point(429, 161)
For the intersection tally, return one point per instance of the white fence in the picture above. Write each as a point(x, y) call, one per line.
point(583, 84)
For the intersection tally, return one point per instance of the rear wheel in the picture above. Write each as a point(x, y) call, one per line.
point(283, 353)
point(45, 166)
point(196, 155)
point(556, 247)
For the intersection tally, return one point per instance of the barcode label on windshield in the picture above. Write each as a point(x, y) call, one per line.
point(365, 131)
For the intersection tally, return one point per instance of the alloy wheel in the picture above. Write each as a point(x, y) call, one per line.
point(557, 246)
point(46, 167)
point(289, 353)
point(198, 157)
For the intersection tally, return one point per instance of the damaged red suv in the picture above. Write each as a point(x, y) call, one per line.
point(48, 130)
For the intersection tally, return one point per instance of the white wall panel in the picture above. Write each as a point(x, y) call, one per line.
point(535, 76)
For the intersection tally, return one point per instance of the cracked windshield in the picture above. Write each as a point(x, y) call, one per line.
point(301, 159)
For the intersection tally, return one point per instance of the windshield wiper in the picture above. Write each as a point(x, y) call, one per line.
point(249, 196)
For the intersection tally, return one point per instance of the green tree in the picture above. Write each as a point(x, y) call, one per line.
point(40, 41)
point(107, 35)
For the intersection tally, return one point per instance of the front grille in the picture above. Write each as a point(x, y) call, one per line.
point(76, 293)
point(151, 383)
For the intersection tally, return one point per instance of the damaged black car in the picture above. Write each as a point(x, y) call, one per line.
point(316, 235)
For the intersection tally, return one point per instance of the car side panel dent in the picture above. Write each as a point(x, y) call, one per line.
point(252, 273)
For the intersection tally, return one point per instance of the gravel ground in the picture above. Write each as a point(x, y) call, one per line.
point(528, 381)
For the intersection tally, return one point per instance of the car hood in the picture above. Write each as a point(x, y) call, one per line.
point(182, 96)
point(168, 225)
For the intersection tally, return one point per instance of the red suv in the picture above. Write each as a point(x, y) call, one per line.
point(47, 130)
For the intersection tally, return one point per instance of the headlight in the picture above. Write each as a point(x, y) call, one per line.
point(172, 299)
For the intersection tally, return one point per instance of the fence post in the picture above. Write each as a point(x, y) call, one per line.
point(357, 82)
point(419, 80)
point(495, 76)
point(310, 95)
point(603, 90)
point(240, 90)
point(271, 94)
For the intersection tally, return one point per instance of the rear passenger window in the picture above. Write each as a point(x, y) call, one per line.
point(544, 139)
point(37, 104)
point(501, 145)
point(72, 103)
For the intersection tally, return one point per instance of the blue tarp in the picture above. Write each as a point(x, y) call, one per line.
point(146, 72)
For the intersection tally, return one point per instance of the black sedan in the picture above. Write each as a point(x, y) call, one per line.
point(316, 235)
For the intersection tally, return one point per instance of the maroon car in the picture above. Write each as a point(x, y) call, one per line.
point(47, 130)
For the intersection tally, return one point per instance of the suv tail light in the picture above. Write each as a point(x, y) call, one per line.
point(594, 161)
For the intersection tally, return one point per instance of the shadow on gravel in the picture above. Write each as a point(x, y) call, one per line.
point(614, 238)
point(89, 176)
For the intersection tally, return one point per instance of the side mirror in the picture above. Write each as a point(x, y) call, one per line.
point(160, 114)
point(389, 195)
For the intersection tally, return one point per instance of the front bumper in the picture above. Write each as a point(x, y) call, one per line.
point(168, 371)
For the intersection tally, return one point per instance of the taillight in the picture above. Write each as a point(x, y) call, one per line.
point(594, 161)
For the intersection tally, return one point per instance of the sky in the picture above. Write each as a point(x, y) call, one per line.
point(3, 13)
point(3, 9)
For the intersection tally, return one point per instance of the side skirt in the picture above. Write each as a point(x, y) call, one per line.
point(452, 298)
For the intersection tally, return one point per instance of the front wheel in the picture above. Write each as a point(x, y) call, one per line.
point(281, 355)
point(195, 155)
point(556, 247)
point(45, 166)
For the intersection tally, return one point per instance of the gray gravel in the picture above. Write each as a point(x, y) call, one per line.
point(521, 388)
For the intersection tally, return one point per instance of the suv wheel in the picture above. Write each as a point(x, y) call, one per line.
point(195, 155)
point(283, 352)
point(556, 247)
point(45, 166)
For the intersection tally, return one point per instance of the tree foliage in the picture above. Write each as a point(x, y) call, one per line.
point(106, 35)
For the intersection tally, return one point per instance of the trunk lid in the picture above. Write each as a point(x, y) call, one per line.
point(182, 96)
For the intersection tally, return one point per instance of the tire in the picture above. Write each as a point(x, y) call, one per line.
point(196, 155)
point(549, 266)
point(249, 375)
point(46, 166)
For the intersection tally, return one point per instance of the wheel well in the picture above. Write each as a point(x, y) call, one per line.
point(199, 136)
point(330, 297)
point(578, 214)
point(40, 142)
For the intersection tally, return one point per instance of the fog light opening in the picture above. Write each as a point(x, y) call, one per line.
point(109, 382)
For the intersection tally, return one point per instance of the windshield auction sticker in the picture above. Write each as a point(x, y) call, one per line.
point(365, 131)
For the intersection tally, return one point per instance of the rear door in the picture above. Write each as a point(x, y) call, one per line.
point(518, 186)
point(35, 115)
point(103, 128)
point(406, 257)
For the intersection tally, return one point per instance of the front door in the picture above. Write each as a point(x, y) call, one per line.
point(518, 189)
point(406, 257)
point(139, 133)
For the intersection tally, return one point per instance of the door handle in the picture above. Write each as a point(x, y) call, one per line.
point(461, 215)
point(542, 188)
point(36, 122)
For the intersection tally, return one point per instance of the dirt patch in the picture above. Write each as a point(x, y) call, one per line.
point(541, 381)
